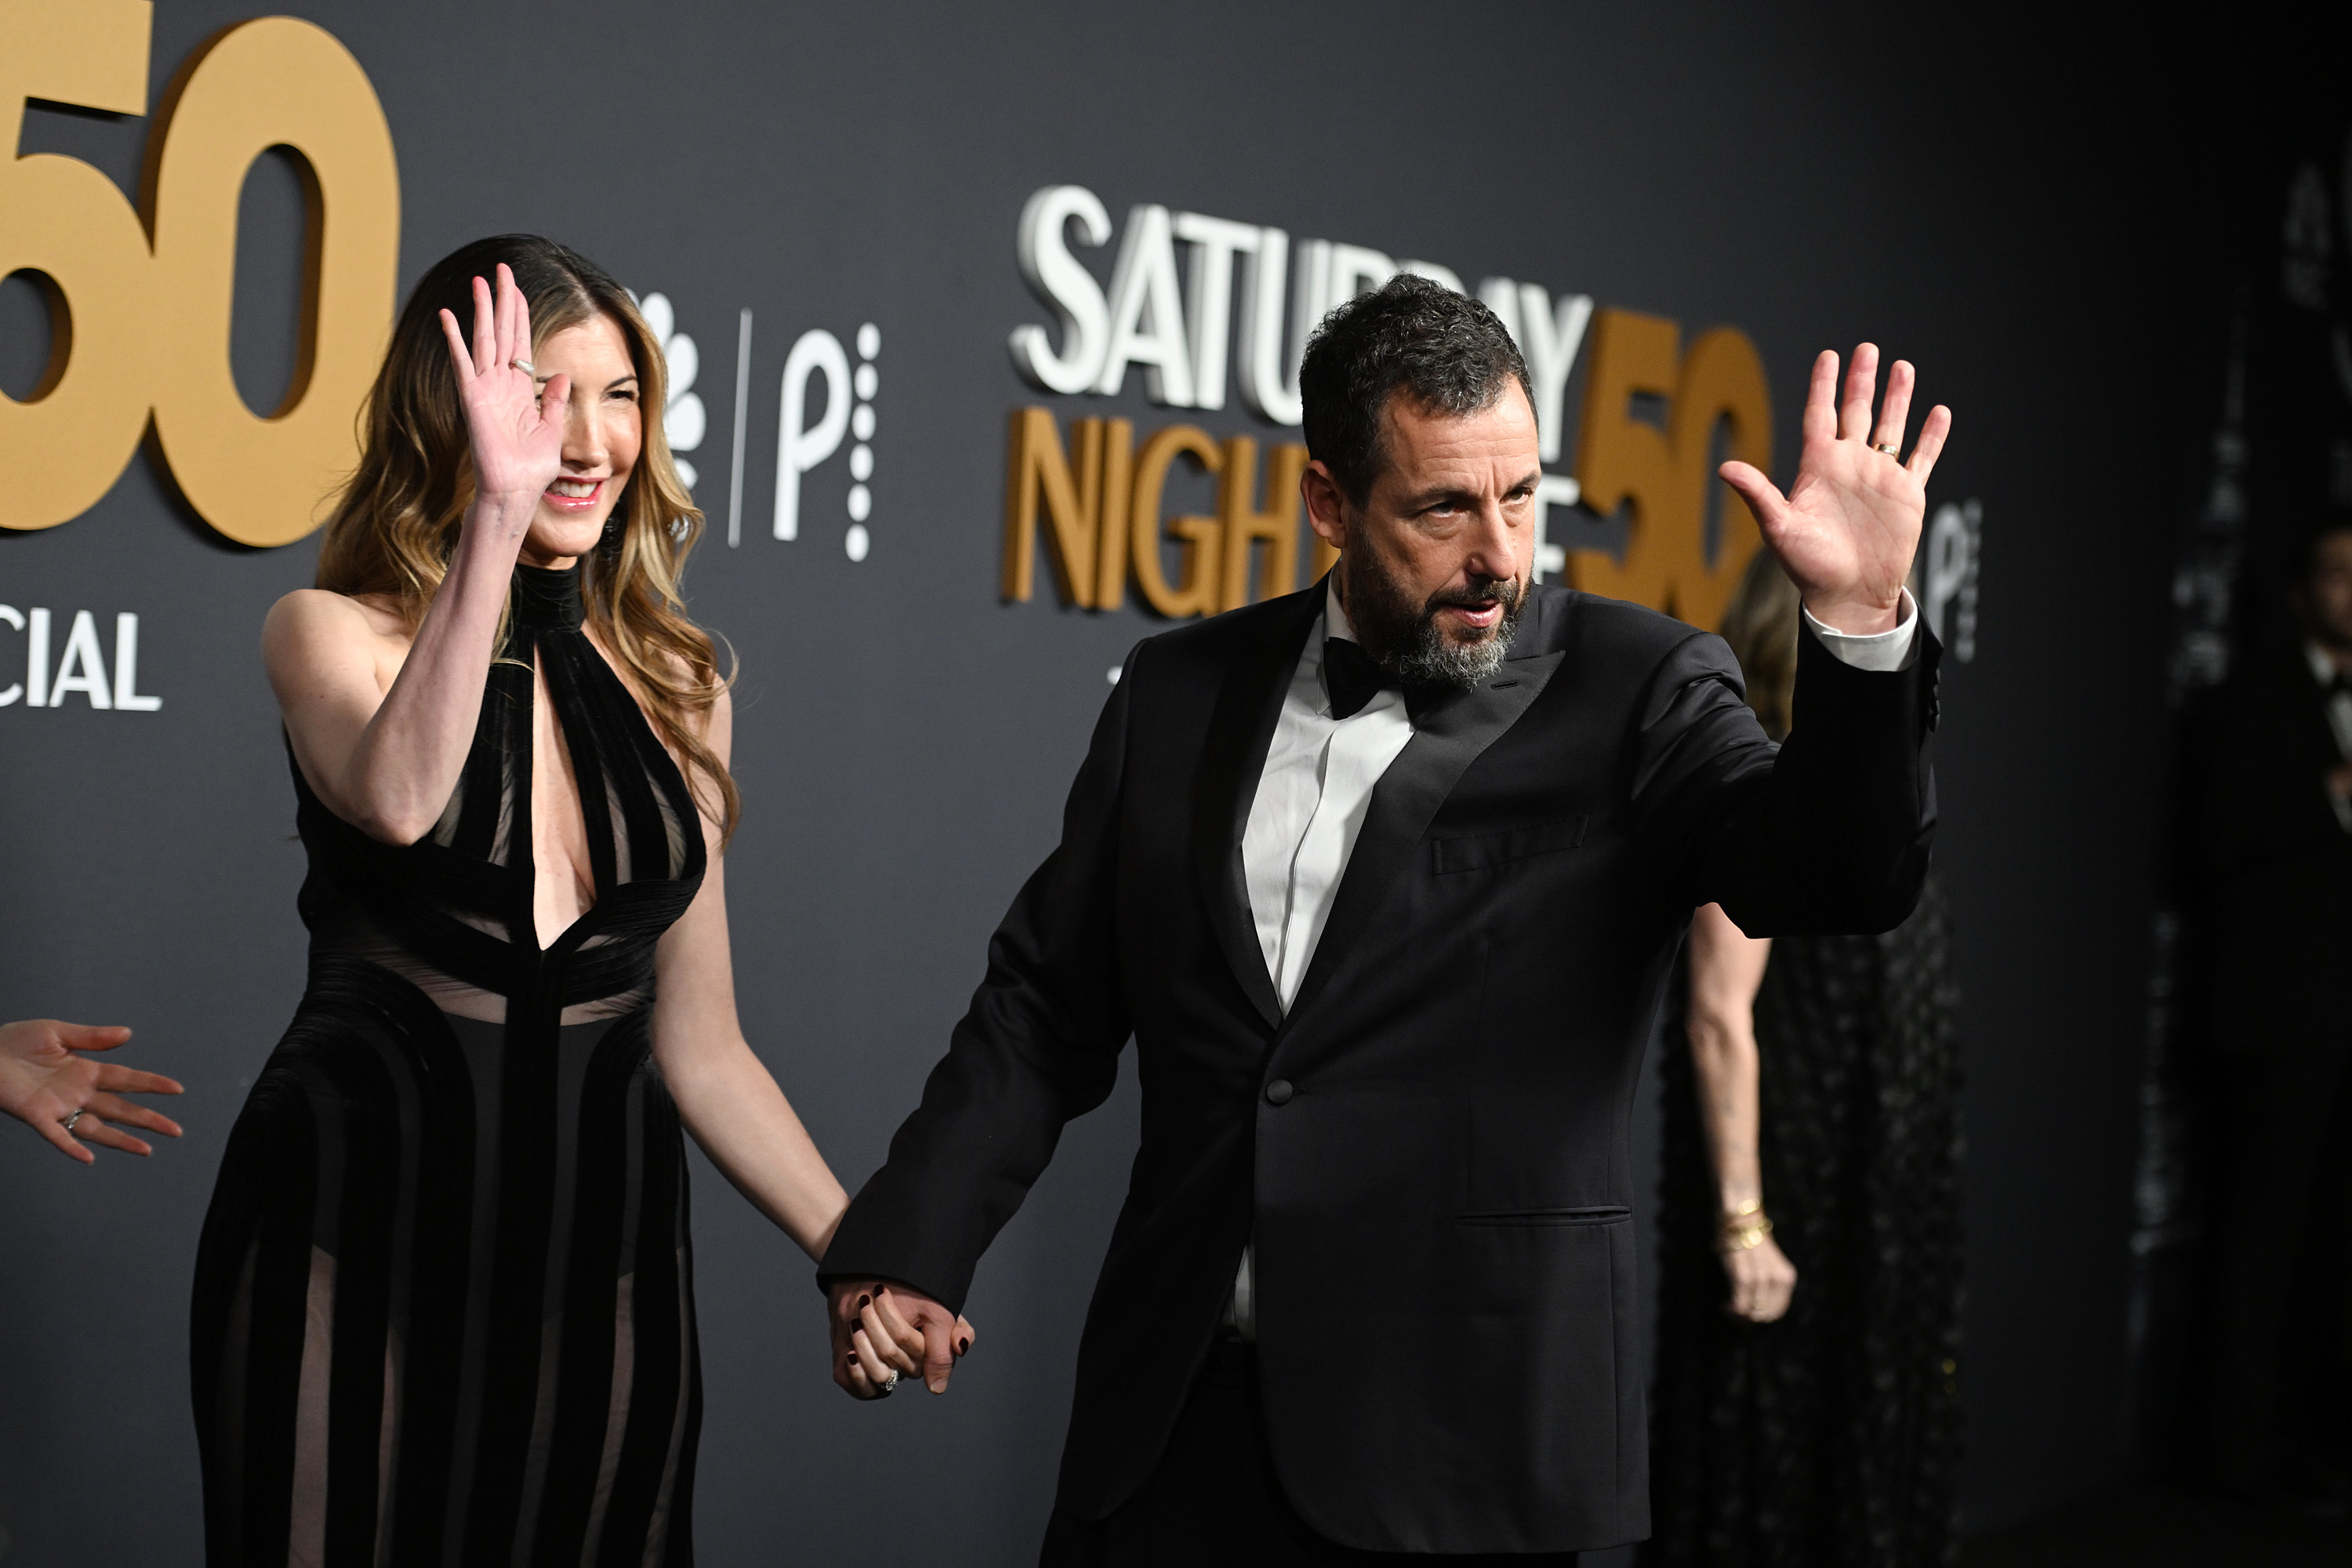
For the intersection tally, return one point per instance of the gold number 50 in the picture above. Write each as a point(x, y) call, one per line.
point(141, 323)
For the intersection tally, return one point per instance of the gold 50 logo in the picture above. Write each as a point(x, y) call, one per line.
point(139, 298)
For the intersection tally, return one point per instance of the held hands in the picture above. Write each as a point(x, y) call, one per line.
point(1848, 528)
point(882, 1330)
point(45, 1083)
point(516, 432)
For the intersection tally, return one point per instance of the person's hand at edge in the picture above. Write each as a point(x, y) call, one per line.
point(1762, 1280)
point(883, 1326)
point(46, 1083)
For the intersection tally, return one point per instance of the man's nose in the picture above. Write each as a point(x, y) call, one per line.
point(1494, 548)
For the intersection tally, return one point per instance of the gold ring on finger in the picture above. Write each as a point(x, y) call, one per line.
point(1894, 452)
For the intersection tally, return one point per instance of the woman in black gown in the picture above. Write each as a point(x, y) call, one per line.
point(444, 1308)
point(1806, 1413)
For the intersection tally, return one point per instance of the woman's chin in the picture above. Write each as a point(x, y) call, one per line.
point(561, 538)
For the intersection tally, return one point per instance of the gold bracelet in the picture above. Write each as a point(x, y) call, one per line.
point(1746, 1234)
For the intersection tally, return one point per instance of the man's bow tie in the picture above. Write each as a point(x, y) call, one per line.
point(1351, 677)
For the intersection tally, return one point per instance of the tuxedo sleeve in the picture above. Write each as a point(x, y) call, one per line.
point(1828, 832)
point(1039, 1046)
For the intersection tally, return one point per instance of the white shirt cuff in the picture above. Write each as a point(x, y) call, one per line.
point(1879, 651)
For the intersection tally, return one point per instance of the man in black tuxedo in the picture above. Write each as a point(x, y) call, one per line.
point(1385, 879)
point(2275, 842)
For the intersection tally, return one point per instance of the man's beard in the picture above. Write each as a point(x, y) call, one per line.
point(1403, 638)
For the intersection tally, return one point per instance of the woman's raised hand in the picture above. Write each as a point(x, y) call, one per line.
point(517, 431)
point(46, 1083)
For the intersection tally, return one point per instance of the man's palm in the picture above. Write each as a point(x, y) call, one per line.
point(1848, 528)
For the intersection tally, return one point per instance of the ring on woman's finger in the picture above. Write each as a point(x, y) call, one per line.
point(528, 369)
point(887, 1386)
point(69, 1122)
point(1895, 452)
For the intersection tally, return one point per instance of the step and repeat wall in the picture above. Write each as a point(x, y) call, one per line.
point(983, 328)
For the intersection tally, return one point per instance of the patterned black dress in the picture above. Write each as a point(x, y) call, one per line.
point(444, 1307)
point(1829, 1438)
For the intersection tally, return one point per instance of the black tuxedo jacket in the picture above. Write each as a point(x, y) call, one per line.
point(1431, 1148)
point(2277, 865)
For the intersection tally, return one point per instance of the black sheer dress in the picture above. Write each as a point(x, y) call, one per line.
point(1829, 1438)
point(444, 1308)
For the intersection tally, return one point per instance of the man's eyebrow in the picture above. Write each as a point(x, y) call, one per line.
point(1426, 498)
point(1429, 498)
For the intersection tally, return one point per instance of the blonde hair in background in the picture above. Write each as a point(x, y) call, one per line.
point(1760, 625)
point(396, 521)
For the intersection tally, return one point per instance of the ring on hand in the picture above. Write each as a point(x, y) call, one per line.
point(69, 1122)
point(525, 366)
point(887, 1386)
point(1894, 452)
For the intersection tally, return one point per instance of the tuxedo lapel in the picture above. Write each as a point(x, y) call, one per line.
point(1444, 742)
point(1241, 732)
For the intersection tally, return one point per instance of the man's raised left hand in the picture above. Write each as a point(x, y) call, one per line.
point(1848, 528)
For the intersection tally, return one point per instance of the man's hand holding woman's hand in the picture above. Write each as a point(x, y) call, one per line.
point(883, 1329)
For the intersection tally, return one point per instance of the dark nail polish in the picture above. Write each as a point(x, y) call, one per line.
point(864, 1302)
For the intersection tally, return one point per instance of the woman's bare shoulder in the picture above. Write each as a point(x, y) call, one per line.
point(308, 613)
point(313, 629)
point(714, 722)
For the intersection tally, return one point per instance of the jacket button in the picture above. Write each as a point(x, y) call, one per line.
point(1280, 1091)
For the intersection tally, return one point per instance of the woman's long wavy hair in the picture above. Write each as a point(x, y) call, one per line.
point(396, 523)
point(1760, 625)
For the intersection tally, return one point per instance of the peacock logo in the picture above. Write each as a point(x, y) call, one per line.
point(684, 419)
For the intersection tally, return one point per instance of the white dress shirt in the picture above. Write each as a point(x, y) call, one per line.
point(1316, 787)
point(2340, 720)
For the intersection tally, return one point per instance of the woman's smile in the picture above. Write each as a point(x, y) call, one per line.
point(575, 495)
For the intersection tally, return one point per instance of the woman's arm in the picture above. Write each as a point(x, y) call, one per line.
point(386, 761)
point(726, 1096)
point(729, 1101)
point(1726, 966)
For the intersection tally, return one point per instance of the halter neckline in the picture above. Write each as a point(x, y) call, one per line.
point(548, 600)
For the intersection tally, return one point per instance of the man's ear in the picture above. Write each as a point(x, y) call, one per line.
point(1327, 510)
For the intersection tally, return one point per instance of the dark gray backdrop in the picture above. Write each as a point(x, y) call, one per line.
point(1975, 198)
